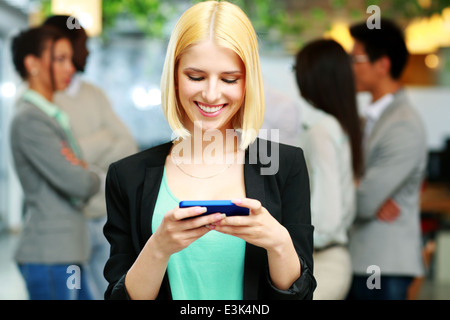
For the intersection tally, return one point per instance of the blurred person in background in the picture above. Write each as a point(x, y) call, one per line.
point(103, 138)
point(55, 180)
point(331, 139)
point(282, 114)
point(386, 235)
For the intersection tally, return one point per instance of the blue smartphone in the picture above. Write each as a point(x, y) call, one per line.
point(213, 206)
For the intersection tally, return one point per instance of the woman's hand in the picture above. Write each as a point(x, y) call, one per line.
point(261, 229)
point(175, 233)
point(71, 157)
point(182, 226)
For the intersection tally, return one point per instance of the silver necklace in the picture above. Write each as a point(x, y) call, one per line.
point(207, 177)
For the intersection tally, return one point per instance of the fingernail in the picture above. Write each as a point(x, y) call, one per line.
point(210, 226)
point(237, 201)
point(222, 216)
point(201, 210)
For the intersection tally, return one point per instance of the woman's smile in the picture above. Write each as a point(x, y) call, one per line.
point(209, 110)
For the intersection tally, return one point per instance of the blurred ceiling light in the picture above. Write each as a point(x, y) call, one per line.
point(424, 3)
point(432, 61)
point(426, 35)
point(88, 12)
point(418, 37)
point(8, 89)
point(340, 33)
point(446, 27)
point(154, 97)
point(144, 99)
point(446, 16)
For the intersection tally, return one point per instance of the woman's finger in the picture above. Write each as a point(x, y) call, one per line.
point(237, 221)
point(186, 213)
point(241, 232)
point(202, 221)
point(253, 204)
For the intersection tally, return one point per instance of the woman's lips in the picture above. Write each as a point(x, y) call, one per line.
point(209, 110)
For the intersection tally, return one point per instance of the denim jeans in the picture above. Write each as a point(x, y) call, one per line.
point(391, 288)
point(51, 282)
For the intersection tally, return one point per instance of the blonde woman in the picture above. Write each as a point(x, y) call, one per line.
point(213, 99)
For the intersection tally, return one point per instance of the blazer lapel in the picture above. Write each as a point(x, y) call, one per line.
point(254, 188)
point(150, 189)
point(398, 99)
point(152, 182)
point(254, 181)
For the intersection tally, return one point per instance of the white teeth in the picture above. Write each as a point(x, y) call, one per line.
point(209, 109)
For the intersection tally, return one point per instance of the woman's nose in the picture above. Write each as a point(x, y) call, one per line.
point(71, 67)
point(211, 92)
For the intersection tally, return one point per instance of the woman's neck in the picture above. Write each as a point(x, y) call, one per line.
point(207, 147)
point(39, 88)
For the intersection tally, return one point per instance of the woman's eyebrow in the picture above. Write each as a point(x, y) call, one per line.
point(201, 71)
point(232, 72)
point(193, 69)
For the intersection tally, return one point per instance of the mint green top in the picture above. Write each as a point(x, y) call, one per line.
point(210, 268)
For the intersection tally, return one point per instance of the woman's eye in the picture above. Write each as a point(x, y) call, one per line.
point(230, 80)
point(59, 59)
point(195, 78)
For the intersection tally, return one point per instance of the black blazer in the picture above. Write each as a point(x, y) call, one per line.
point(132, 187)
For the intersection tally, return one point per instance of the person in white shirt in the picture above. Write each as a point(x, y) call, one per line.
point(373, 111)
point(331, 138)
point(103, 139)
point(385, 240)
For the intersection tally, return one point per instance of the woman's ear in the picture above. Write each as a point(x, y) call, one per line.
point(32, 65)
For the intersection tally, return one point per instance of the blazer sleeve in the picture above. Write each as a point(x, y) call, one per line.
point(41, 145)
point(117, 231)
point(397, 156)
point(296, 218)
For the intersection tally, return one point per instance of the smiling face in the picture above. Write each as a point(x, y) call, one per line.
point(211, 86)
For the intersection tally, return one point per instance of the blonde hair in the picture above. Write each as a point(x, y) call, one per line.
point(228, 26)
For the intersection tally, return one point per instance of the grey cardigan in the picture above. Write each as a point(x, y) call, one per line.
point(54, 229)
